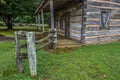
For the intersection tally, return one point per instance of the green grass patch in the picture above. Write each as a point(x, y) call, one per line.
point(10, 33)
point(94, 62)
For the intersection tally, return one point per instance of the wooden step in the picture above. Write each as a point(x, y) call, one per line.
point(68, 45)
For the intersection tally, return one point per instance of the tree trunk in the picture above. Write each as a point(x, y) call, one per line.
point(8, 21)
point(9, 26)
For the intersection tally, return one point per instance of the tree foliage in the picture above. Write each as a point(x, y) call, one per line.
point(11, 10)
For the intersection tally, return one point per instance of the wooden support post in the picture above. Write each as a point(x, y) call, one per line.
point(43, 26)
point(32, 53)
point(52, 14)
point(39, 22)
point(36, 20)
point(55, 39)
point(84, 6)
point(18, 60)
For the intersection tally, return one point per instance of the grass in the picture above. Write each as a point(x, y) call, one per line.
point(95, 62)
point(10, 33)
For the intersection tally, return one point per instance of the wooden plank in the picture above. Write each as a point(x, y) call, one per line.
point(83, 21)
point(46, 44)
point(52, 14)
point(102, 33)
point(18, 60)
point(103, 7)
point(39, 22)
point(43, 39)
point(23, 56)
point(32, 53)
point(103, 2)
point(43, 26)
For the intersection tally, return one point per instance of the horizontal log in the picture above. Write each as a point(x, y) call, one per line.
point(115, 2)
point(98, 19)
point(46, 44)
point(103, 7)
point(76, 38)
point(41, 33)
point(89, 9)
point(97, 28)
point(75, 28)
point(23, 56)
point(98, 22)
point(101, 36)
point(61, 34)
point(76, 25)
point(76, 16)
point(92, 26)
point(23, 46)
point(80, 22)
point(103, 39)
point(91, 22)
point(102, 33)
point(76, 32)
point(76, 19)
point(43, 39)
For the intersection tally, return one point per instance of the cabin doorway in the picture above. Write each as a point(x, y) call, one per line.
point(67, 24)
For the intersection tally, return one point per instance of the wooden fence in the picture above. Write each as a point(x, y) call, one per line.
point(30, 41)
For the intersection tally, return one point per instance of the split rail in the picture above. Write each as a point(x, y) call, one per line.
point(32, 42)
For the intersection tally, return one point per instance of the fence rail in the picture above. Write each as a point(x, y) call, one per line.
point(31, 40)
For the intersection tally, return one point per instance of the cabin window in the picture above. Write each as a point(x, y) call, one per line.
point(105, 18)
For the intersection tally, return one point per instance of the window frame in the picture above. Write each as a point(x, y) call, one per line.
point(106, 25)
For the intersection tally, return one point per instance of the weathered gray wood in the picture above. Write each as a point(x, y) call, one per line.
point(32, 53)
point(82, 39)
point(39, 22)
point(52, 14)
point(43, 26)
point(55, 39)
point(18, 60)
point(44, 39)
point(23, 56)
point(23, 46)
point(46, 44)
point(41, 33)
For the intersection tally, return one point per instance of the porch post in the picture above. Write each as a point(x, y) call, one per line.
point(38, 21)
point(52, 14)
point(43, 26)
point(84, 6)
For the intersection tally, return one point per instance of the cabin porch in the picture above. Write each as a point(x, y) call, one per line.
point(64, 42)
point(55, 7)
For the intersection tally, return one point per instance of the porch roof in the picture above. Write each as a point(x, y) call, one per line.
point(58, 4)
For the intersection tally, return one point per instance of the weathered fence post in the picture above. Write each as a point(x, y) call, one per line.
point(54, 38)
point(32, 53)
point(18, 59)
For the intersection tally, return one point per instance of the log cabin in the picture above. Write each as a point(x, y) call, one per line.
point(87, 21)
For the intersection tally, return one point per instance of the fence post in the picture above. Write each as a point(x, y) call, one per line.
point(18, 60)
point(32, 53)
point(54, 39)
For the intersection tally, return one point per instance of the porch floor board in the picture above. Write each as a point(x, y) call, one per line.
point(67, 43)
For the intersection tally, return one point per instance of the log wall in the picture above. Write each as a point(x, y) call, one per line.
point(93, 32)
point(75, 21)
point(76, 24)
